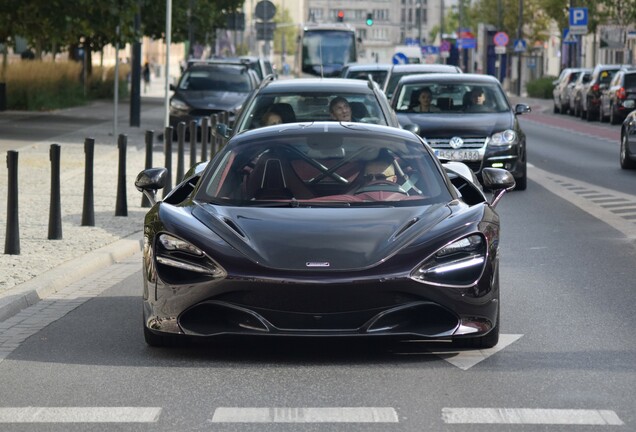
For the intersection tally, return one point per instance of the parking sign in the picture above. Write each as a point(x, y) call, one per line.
point(578, 20)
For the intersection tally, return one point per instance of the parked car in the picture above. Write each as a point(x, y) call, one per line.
point(378, 71)
point(577, 92)
point(398, 71)
point(262, 66)
point(628, 142)
point(619, 98)
point(563, 88)
point(591, 98)
point(323, 229)
point(308, 99)
point(207, 88)
point(486, 137)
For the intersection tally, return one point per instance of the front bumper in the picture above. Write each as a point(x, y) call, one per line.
point(399, 307)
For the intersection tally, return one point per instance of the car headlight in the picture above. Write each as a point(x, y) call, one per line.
point(181, 255)
point(178, 104)
point(460, 263)
point(505, 138)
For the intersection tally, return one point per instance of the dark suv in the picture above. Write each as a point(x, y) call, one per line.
point(208, 88)
point(591, 99)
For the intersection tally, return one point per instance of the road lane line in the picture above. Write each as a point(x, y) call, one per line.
point(305, 415)
point(80, 415)
point(577, 417)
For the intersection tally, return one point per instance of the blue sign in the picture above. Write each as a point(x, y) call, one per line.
point(578, 16)
point(400, 58)
point(430, 50)
point(411, 41)
point(520, 45)
point(568, 37)
point(466, 43)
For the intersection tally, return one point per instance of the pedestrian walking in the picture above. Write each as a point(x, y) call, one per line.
point(146, 76)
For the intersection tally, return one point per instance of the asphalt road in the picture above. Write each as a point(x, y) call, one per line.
point(565, 363)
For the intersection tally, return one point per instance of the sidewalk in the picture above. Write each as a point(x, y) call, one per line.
point(46, 266)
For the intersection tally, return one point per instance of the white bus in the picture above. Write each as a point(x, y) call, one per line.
point(324, 49)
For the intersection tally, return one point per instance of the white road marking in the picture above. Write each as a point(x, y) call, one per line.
point(469, 358)
point(80, 415)
point(463, 359)
point(530, 416)
point(305, 415)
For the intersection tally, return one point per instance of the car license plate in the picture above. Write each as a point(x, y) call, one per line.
point(458, 155)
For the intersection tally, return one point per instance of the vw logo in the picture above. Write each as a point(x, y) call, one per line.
point(456, 142)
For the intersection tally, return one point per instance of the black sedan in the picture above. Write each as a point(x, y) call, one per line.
point(628, 142)
point(324, 229)
point(482, 133)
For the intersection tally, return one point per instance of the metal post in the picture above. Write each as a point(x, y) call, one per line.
point(12, 238)
point(55, 209)
point(168, 158)
point(519, 37)
point(214, 120)
point(121, 205)
point(88, 210)
point(181, 130)
point(145, 202)
point(193, 142)
point(205, 132)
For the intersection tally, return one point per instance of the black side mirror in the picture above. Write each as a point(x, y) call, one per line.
point(412, 128)
point(499, 181)
point(149, 180)
point(522, 109)
point(223, 130)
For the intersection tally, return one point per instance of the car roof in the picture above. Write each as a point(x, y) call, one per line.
point(448, 78)
point(317, 84)
point(369, 66)
point(424, 68)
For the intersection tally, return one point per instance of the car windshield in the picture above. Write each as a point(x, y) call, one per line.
point(326, 169)
point(219, 79)
point(309, 107)
point(452, 98)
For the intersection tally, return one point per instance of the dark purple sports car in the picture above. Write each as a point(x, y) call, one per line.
point(324, 229)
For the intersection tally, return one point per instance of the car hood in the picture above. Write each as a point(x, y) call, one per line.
point(224, 101)
point(450, 125)
point(317, 238)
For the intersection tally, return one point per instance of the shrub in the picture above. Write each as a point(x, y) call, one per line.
point(541, 88)
point(43, 86)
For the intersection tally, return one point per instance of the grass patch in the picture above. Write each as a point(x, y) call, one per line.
point(45, 86)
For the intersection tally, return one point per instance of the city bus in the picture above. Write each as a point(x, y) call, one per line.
point(324, 49)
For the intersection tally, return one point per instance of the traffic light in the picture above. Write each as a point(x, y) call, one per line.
point(340, 16)
point(370, 19)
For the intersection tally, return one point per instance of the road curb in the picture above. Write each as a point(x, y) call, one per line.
point(50, 282)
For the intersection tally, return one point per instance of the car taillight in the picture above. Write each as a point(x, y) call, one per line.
point(620, 93)
point(596, 87)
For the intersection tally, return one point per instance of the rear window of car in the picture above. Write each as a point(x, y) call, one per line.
point(630, 81)
point(606, 76)
point(377, 76)
point(216, 79)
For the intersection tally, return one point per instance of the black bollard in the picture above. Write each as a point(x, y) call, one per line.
point(181, 131)
point(205, 132)
point(55, 209)
point(12, 239)
point(145, 202)
point(193, 142)
point(167, 151)
point(121, 205)
point(88, 210)
point(214, 120)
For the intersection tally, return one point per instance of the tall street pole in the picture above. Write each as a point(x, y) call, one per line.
point(166, 101)
point(519, 37)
